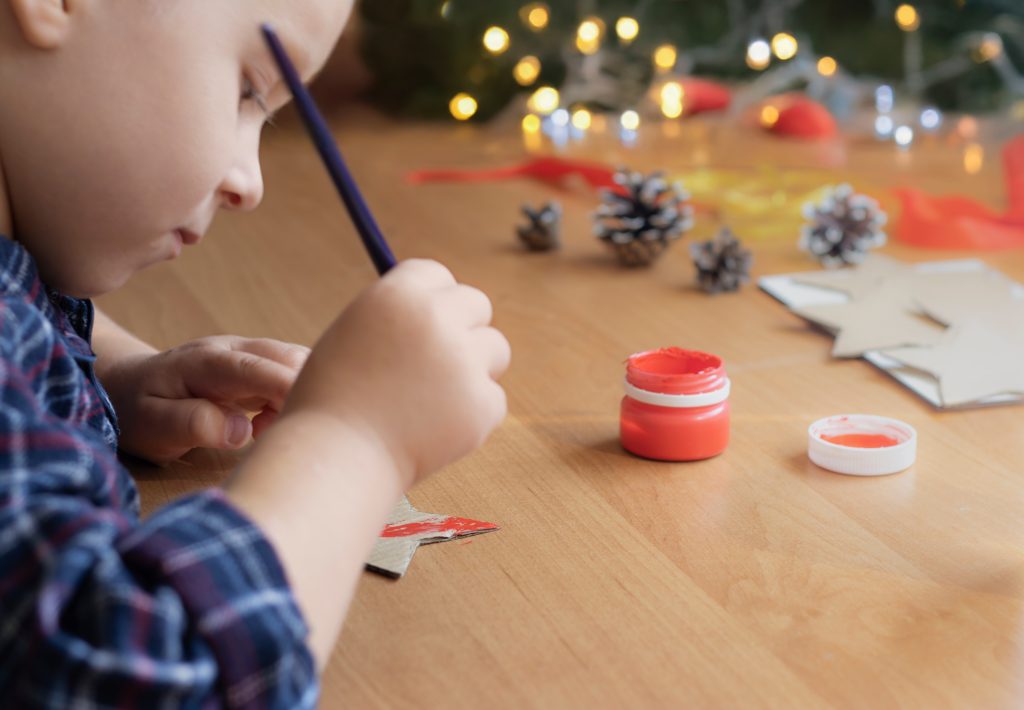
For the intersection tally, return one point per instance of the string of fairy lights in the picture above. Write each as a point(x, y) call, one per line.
point(780, 59)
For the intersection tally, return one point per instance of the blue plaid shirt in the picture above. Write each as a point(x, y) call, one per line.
point(98, 609)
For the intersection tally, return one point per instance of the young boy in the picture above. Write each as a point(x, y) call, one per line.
point(124, 127)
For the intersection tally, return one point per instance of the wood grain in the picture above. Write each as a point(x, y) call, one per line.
point(753, 579)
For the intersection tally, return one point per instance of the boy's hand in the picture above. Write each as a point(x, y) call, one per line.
point(410, 366)
point(400, 384)
point(199, 394)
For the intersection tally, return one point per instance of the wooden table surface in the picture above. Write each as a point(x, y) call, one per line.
point(753, 579)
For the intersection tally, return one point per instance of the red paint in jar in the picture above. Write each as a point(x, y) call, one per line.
point(676, 406)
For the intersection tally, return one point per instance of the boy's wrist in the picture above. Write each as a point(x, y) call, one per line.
point(358, 429)
point(115, 347)
point(324, 447)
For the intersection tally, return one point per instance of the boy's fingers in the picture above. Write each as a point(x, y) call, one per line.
point(232, 376)
point(495, 349)
point(471, 306)
point(288, 354)
point(426, 272)
point(187, 424)
point(499, 406)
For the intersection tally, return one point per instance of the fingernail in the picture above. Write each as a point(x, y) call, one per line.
point(238, 431)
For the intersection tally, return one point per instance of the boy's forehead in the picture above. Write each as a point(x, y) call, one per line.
point(308, 28)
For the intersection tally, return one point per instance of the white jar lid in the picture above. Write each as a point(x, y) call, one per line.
point(862, 444)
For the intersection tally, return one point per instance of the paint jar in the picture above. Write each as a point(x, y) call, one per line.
point(676, 406)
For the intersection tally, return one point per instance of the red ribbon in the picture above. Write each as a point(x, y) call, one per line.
point(549, 169)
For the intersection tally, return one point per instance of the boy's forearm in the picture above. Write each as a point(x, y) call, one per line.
point(321, 492)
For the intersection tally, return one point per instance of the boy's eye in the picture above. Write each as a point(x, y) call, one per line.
point(250, 93)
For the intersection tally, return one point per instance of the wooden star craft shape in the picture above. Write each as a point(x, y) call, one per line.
point(409, 528)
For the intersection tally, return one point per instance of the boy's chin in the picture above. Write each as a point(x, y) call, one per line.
point(91, 286)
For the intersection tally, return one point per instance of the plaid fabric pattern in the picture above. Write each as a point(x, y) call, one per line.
point(98, 609)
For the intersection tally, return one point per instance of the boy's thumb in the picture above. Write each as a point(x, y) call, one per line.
point(199, 423)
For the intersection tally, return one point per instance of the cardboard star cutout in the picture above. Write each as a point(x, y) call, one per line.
point(409, 528)
point(1008, 319)
point(856, 282)
point(959, 298)
point(971, 361)
point(945, 294)
point(881, 318)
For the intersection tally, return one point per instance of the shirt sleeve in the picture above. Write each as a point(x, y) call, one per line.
point(190, 608)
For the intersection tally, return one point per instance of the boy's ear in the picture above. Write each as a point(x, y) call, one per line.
point(44, 24)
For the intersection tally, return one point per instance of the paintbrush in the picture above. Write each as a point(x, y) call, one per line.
point(318, 131)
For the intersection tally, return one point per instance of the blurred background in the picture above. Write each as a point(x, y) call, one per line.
point(882, 93)
point(412, 57)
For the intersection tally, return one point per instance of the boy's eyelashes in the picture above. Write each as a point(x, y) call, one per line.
point(251, 93)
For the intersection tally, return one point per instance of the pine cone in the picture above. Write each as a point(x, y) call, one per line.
point(642, 221)
point(544, 228)
point(722, 263)
point(844, 226)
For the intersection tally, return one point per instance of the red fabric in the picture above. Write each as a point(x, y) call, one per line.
point(957, 222)
point(1013, 168)
point(701, 95)
point(803, 118)
point(547, 169)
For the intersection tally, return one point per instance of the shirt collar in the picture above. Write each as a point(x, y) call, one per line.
point(19, 278)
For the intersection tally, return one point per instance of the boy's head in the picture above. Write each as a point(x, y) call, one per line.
point(126, 124)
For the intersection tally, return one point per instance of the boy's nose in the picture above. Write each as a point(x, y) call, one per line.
point(242, 188)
